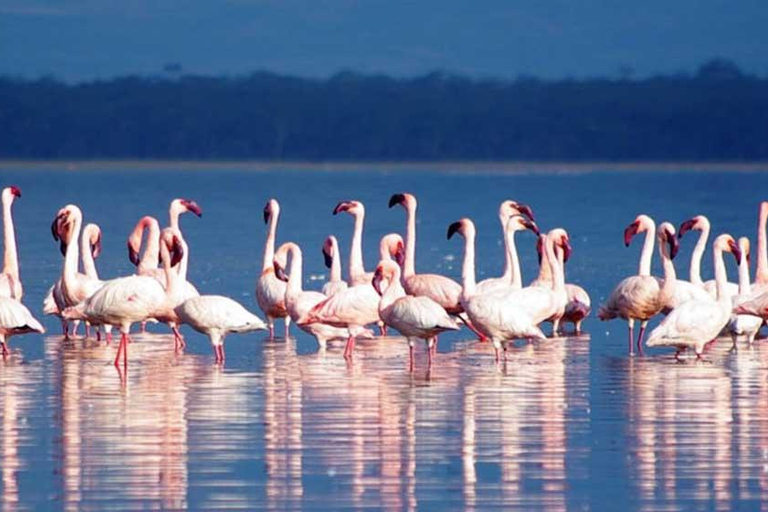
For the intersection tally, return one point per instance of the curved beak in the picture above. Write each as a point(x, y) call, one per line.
point(16, 191)
point(343, 206)
point(279, 272)
point(526, 210)
point(376, 282)
point(453, 229)
point(733, 246)
point(133, 254)
point(96, 247)
point(685, 227)
point(567, 249)
point(539, 247)
point(193, 207)
point(55, 228)
point(396, 199)
point(674, 245)
point(630, 232)
point(400, 254)
point(267, 213)
point(326, 257)
point(529, 224)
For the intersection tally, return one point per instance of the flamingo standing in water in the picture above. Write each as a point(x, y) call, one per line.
point(357, 273)
point(441, 289)
point(414, 317)
point(501, 321)
point(333, 263)
point(511, 276)
point(696, 323)
point(15, 319)
point(747, 325)
point(217, 316)
point(642, 296)
point(10, 282)
point(270, 291)
point(687, 290)
point(761, 273)
point(300, 302)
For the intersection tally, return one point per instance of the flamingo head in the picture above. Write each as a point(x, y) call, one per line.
point(271, 209)
point(181, 205)
point(171, 246)
point(744, 249)
point(406, 200)
point(465, 227)
point(391, 246)
point(666, 235)
point(563, 241)
point(11, 193)
point(509, 208)
point(519, 223)
point(726, 243)
point(280, 261)
point(93, 231)
point(698, 222)
point(329, 250)
point(353, 208)
point(386, 270)
point(63, 225)
point(641, 224)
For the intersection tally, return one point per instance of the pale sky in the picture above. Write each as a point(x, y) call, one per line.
point(84, 39)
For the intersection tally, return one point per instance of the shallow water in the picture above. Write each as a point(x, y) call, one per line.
point(571, 423)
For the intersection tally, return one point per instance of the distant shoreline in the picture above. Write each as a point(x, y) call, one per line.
point(462, 167)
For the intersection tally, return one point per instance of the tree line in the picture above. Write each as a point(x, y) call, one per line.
point(716, 113)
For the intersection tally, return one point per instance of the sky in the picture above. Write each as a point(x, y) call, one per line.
point(80, 40)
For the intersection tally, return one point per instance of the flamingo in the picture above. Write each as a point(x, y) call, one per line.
point(414, 317)
point(685, 291)
point(761, 274)
point(441, 289)
point(642, 296)
point(15, 319)
point(357, 273)
point(697, 322)
point(10, 282)
point(270, 291)
point(147, 263)
point(333, 262)
point(179, 206)
point(579, 304)
point(299, 302)
point(217, 316)
point(747, 325)
point(90, 247)
point(511, 276)
point(501, 321)
point(126, 300)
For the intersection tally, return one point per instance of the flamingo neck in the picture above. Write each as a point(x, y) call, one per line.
point(409, 267)
point(269, 245)
point(356, 267)
point(171, 275)
point(558, 282)
point(72, 254)
point(10, 260)
point(515, 276)
point(468, 267)
point(744, 286)
point(151, 257)
point(174, 212)
point(393, 292)
point(698, 253)
point(335, 262)
point(296, 275)
point(507, 275)
point(721, 277)
point(761, 275)
point(184, 263)
point(644, 269)
point(670, 277)
point(89, 267)
point(545, 268)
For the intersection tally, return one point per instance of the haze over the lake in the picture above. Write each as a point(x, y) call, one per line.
point(85, 39)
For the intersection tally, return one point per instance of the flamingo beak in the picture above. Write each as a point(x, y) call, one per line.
point(327, 257)
point(630, 232)
point(192, 207)
point(400, 254)
point(96, 247)
point(133, 254)
point(16, 191)
point(343, 206)
point(529, 224)
point(453, 229)
point(280, 272)
point(539, 247)
point(267, 213)
point(735, 250)
point(376, 282)
point(685, 227)
point(674, 245)
point(526, 210)
point(55, 228)
point(567, 249)
point(396, 199)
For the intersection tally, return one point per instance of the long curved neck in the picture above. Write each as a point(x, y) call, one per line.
point(356, 267)
point(393, 292)
point(89, 267)
point(184, 263)
point(171, 275)
point(468, 267)
point(72, 254)
point(644, 269)
point(151, 257)
point(721, 278)
point(558, 282)
point(545, 269)
point(296, 275)
point(744, 286)
point(515, 275)
point(11, 260)
point(761, 276)
point(269, 245)
point(670, 277)
point(409, 268)
point(559, 270)
point(698, 253)
point(173, 213)
point(335, 262)
point(508, 271)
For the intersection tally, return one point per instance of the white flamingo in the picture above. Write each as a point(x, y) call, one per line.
point(333, 263)
point(217, 316)
point(10, 282)
point(642, 296)
point(501, 321)
point(300, 302)
point(15, 319)
point(697, 322)
point(414, 317)
point(686, 290)
point(744, 325)
point(357, 273)
point(270, 291)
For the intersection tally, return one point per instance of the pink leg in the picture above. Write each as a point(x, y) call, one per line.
point(143, 328)
point(221, 354)
point(98, 334)
point(87, 331)
point(271, 329)
point(497, 354)
point(120, 349)
point(125, 353)
point(410, 359)
point(109, 338)
point(5, 349)
point(640, 340)
point(64, 328)
point(178, 339)
point(350, 346)
point(631, 340)
point(429, 356)
point(383, 329)
point(74, 329)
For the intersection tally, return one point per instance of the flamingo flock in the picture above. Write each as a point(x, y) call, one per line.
point(420, 306)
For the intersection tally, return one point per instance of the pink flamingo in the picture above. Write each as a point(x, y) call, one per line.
point(747, 325)
point(15, 319)
point(357, 273)
point(270, 291)
point(761, 273)
point(333, 263)
point(10, 282)
point(642, 296)
point(687, 290)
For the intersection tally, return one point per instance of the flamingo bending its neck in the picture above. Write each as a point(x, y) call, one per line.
point(747, 325)
point(687, 290)
point(270, 291)
point(332, 260)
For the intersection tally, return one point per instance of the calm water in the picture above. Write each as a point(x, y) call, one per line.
point(571, 423)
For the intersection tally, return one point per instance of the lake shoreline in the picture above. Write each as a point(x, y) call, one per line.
point(462, 167)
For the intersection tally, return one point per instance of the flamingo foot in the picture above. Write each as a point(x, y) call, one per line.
point(383, 329)
point(497, 354)
point(122, 349)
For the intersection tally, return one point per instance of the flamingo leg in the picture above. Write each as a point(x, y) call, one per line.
point(482, 337)
point(410, 358)
point(429, 354)
point(64, 328)
point(109, 338)
point(434, 345)
point(271, 325)
point(383, 328)
point(87, 330)
point(4, 346)
point(640, 337)
point(74, 328)
point(178, 339)
point(143, 327)
point(349, 347)
point(120, 349)
point(98, 334)
point(497, 353)
point(125, 353)
point(631, 324)
point(287, 332)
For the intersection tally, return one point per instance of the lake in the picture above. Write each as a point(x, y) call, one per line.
point(570, 423)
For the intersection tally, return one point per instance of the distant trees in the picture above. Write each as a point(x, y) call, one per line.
point(719, 113)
